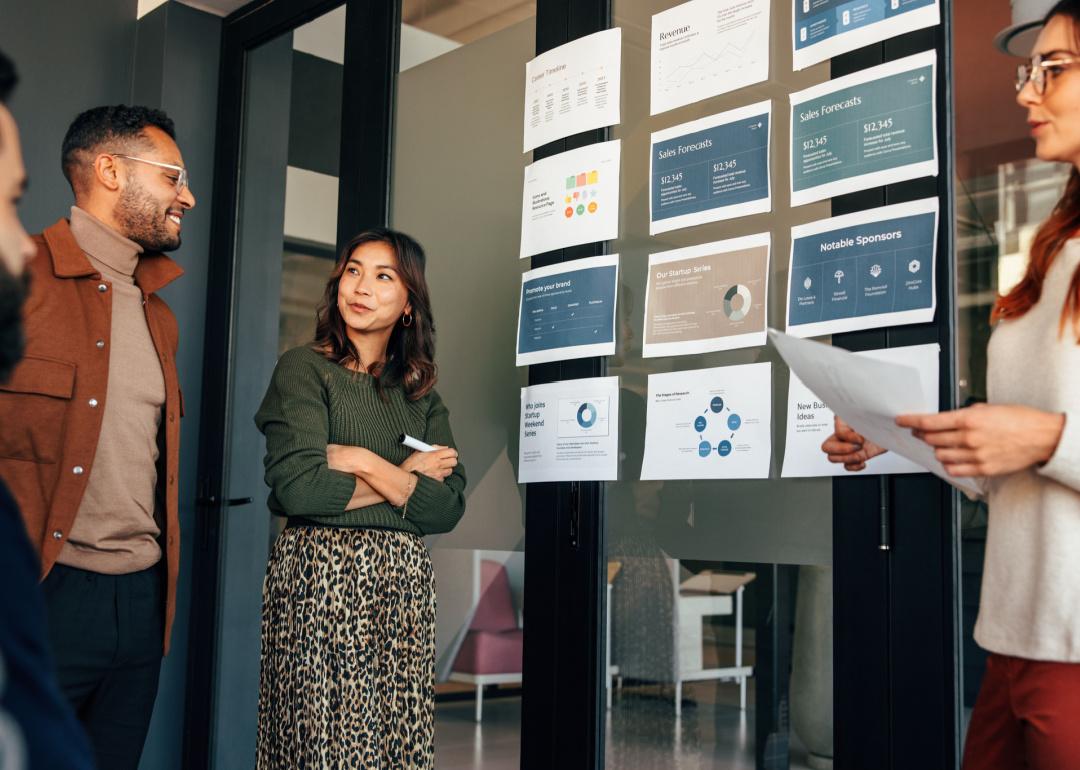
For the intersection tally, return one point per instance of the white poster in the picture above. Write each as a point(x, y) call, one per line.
point(810, 421)
point(573, 88)
point(709, 424)
point(706, 298)
point(869, 395)
point(705, 48)
point(874, 127)
point(570, 431)
point(567, 310)
point(822, 29)
point(711, 169)
point(864, 270)
point(571, 198)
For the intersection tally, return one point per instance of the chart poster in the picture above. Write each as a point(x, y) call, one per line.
point(568, 310)
point(573, 88)
point(822, 29)
point(710, 169)
point(871, 128)
point(706, 298)
point(705, 48)
point(810, 421)
point(709, 424)
point(570, 431)
point(865, 270)
point(571, 198)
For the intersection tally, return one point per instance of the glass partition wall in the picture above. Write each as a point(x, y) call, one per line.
point(700, 569)
point(456, 188)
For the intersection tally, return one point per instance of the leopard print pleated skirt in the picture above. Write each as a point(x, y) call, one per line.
point(348, 652)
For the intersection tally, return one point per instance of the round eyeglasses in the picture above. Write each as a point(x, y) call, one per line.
point(1040, 70)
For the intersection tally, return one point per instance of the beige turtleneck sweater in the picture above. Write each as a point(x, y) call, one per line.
point(116, 530)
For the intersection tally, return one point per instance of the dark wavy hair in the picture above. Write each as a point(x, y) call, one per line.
point(410, 353)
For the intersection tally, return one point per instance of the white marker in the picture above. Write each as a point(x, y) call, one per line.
point(415, 443)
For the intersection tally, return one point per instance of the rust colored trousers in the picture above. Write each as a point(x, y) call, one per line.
point(1027, 716)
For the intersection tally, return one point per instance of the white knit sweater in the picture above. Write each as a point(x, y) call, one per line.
point(1030, 603)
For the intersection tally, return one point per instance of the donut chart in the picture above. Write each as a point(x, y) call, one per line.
point(737, 301)
point(586, 415)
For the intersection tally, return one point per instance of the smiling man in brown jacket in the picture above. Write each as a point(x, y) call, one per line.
point(91, 421)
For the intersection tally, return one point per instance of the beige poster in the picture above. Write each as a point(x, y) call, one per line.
point(707, 298)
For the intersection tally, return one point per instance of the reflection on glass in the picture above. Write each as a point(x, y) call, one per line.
point(695, 565)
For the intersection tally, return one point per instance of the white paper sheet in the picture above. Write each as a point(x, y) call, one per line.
point(570, 431)
point(568, 310)
point(709, 297)
point(874, 127)
point(822, 29)
point(711, 169)
point(571, 198)
point(868, 395)
point(573, 88)
point(864, 270)
point(709, 424)
point(810, 421)
point(707, 47)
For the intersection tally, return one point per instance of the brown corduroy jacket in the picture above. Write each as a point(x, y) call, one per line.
point(51, 408)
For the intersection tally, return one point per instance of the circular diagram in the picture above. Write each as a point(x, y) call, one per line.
point(737, 302)
point(702, 424)
point(586, 415)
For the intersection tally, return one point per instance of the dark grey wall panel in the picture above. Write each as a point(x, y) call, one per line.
point(315, 114)
point(176, 57)
point(72, 56)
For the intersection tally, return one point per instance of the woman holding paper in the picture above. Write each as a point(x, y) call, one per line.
point(1024, 448)
point(348, 626)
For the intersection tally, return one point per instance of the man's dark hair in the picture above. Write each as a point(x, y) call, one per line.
point(8, 78)
point(117, 127)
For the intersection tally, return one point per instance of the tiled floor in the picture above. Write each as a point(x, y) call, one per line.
point(642, 734)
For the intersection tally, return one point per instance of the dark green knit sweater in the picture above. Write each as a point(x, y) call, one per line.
point(312, 402)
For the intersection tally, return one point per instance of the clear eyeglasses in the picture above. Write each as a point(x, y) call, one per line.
point(1040, 70)
point(182, 180)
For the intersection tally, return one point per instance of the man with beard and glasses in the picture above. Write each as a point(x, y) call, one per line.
point(91, 421)
point(37, 726)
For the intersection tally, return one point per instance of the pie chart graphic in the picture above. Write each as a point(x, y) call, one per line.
point(586, 415)
point(737, 302)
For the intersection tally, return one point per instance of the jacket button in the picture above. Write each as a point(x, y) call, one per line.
point(100, 344)
point(102, 287)
point(172, 417)
point(171, 479)
point(77, 470)
point(93, 403)
point(58, 535)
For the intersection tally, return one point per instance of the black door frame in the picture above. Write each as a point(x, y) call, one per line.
point(896, 588)
point(370, 70)
point(565, 527)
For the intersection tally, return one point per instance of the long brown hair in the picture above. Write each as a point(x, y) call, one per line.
point(1062, 225)
point(410, 353)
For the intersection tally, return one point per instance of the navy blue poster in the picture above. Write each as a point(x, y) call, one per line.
point(710, 169)
point(863, 271)
point(568, 311)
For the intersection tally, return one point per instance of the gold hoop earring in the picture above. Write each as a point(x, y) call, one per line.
point(406, 323)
